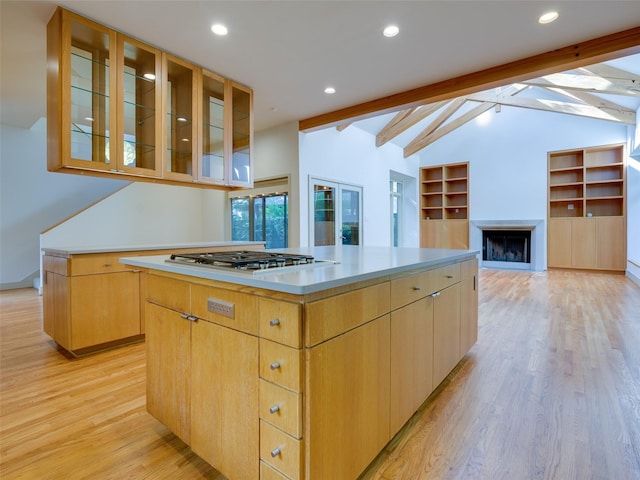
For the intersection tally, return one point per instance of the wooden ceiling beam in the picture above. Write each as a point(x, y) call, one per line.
point(580, 54)
point(417, 143)
point(588, 99)
point(405, 120)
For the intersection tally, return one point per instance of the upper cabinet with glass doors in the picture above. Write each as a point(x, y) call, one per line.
point(116, 106)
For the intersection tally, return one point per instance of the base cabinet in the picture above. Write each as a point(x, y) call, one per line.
point(302, 387)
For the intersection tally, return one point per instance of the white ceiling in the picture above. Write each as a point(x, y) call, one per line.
point(288, 51)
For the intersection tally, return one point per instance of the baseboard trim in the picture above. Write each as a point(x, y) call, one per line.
point(24, 283)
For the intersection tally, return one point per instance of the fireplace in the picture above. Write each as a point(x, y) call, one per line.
point(517, 244)
point(506, 246)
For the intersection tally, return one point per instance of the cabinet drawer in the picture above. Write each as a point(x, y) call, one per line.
point(267, 472)
point(280, 450)
point(169, 292)
point(97, 263)
point(414, 287)
point(57, 265)
point(330, 317)
point(280, 364)
point(281, 407)
point(225, 307)
point(280, 322)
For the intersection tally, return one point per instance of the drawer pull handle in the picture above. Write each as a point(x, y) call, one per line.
point(437, 294)
point(107, 264)
point(274, 409)
point(191, 318)
point(417, 289)
point(275, 322)
point(275, 365)
point(275, 452)
point(449, 276)
point(184, 315)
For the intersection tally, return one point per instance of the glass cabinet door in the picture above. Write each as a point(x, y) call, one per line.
point(90, 112)
point(140, 96)
point(180, 108)
point(242, 108)
point(211, 166)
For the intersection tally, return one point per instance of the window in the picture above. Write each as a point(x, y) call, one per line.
point(261, 214)
point(336, 210)
point(396, 212)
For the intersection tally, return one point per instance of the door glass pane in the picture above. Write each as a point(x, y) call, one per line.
point(324, 215)
point(90, 63)
point(179, 118)
point(350, 217)
point(139, 107)
point(277, 221)
point(240, 159)
point(213, 128)
point(240, 219)
point(258, 219)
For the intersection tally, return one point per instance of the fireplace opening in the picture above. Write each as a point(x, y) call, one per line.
point(506, 246)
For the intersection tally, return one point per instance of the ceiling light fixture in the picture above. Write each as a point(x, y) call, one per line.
point(219, 29)
point(149, 76)
point(391, 31)
point(329, 90)
point(548, 17)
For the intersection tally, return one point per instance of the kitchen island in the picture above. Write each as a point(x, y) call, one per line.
point(303, 373)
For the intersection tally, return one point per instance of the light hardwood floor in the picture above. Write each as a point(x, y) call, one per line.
point(550, 391)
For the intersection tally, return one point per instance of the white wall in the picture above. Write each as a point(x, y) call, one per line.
point(350, 156)
point(32, 199)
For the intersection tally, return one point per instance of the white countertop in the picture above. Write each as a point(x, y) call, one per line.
point(355, 264)
point(130, 248)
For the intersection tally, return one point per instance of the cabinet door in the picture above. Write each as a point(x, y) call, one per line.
point(180, 108)
point(241, 117)
point(559, 243)
point(56, 313)
point(224, 399)
point(612, 253)
point(168, 340)
point(139, 101)
point(211, 165)
point(446, 332)
point(347, 401)
point(468, 313)
point(583, 243)
point(411, 360)
point(104, 308)
point(88, 102)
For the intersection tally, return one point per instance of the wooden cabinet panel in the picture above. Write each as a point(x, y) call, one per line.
point(88, 264)
point(281, 407)
point(446, 332)
point(169, 292)
point(280, 321)
point(245, 308)
point(56, 307)
point(408, 289)
point(468, 305)
point(96, 318)
point(267, 472)
point(281, 451)
point(611, 243)
point(559, 244)
point(281, 364)
point(346, 311)
point(169, 369)
point(224, 399)
point(444, 234)
point(342, 449)
point(411, 359)
point(583, 243)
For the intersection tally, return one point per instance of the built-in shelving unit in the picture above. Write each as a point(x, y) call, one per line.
point(444, 206)
point(586, 208)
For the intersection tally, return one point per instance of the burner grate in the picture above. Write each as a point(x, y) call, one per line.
point(243, 260)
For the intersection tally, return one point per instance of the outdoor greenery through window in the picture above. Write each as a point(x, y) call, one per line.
point(261, 218)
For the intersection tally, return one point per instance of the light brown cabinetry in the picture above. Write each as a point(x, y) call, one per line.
point(444, 206)
point(92, 301)
point(321, 382)
point(190, 357)
point(587, 209)
point(119, 107)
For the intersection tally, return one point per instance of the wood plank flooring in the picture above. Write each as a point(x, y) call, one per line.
point(550, 391)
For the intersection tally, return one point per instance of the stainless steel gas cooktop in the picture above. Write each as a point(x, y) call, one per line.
point(248, 261)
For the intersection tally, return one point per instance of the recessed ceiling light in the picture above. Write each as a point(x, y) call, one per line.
point(219, 29)
point(330, 90)
point(391, 31)
point(548, 17)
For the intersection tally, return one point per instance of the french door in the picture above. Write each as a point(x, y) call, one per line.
point(336, 210)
